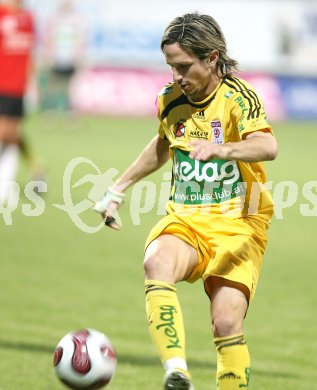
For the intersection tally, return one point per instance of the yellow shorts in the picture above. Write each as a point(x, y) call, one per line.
point(229, 248)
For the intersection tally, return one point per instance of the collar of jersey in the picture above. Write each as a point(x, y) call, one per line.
point(208, 99)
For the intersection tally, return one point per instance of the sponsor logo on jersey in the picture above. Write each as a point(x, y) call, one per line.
point(205, 182)
point(187, 169)
point(240, 127)
point(217, 133)
point(229, 94)
point(256, 123)
point(199, 134)
point(240, 101)
point(180, 128)
point(199, 115)
point(166, 91)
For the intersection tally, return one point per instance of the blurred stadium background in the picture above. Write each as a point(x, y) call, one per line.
point(117, 50)
point(56, 277)
point(275, 42)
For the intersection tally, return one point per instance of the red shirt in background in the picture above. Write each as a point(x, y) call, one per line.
point(17, 37)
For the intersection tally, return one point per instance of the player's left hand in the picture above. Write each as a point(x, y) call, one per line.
point(203, 150)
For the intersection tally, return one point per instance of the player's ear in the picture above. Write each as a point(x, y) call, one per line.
point(213, 57)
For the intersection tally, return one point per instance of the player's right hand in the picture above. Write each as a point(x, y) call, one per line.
point(107, 206)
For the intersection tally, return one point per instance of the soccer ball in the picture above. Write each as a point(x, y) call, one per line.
point(85, 359)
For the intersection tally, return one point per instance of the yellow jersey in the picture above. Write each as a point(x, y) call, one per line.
point(228, 114)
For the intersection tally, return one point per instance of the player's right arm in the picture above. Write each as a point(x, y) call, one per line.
point(153, 157)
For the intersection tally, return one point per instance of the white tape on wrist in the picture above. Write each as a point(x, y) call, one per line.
point(109, 197)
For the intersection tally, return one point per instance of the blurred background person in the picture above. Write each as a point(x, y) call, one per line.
point(17, 39)
point(63, 48)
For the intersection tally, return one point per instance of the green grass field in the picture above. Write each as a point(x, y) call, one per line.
point(56, 278)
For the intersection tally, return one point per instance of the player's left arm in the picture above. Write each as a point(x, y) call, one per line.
point(256, 146)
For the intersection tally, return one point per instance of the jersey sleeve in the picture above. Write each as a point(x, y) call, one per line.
point(160, 108)
point(161, 131)
point(247, 111)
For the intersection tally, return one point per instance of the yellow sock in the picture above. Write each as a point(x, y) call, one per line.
point(233, 363)
point(166, 322)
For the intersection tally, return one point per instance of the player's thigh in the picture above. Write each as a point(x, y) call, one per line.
point(10, 129)
point(170, 259)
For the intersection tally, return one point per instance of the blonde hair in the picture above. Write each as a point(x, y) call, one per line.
point(200, 34)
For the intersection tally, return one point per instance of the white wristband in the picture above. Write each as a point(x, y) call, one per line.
point(109, 197)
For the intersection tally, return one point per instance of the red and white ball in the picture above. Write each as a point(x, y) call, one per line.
point(85, 359)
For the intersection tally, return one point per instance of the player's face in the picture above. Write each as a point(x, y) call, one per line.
point(197, 78)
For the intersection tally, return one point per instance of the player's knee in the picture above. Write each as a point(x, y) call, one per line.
point(158, 265)
point(225, 324)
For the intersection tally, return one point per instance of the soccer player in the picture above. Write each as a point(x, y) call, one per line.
point(17, 37)
point(64, 48)
point(213, 126)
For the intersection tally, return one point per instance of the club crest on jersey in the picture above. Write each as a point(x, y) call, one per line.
point(180, 128)
point(217, 133)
